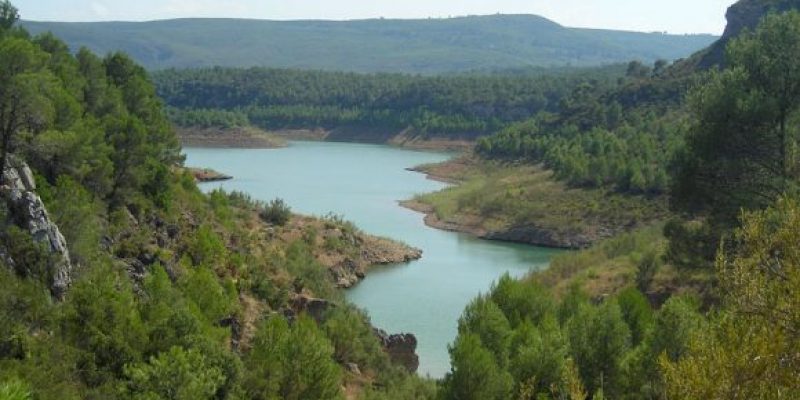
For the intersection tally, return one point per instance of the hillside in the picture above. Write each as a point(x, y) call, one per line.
point(413, 46)
point(703, 306)
point(120, 279)
point(366, 107)
point(741, 16)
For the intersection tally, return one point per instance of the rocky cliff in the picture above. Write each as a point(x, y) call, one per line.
point(27, 211)
point(744, 15)
point(401, 349)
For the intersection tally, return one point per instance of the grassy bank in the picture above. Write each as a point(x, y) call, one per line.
point(630, 259)
point(523, 203)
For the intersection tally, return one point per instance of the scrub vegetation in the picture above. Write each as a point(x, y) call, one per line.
point(680, 183)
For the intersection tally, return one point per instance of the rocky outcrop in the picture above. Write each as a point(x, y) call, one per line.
point(313, 307)
point(401, 348)
point(208, 175)
point(745, 14)
point(372, 251)
point(347, 273)
point(27, 211)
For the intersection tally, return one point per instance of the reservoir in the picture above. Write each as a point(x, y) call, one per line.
point(364, 183)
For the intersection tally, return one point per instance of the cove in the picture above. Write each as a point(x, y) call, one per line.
point(364, 183)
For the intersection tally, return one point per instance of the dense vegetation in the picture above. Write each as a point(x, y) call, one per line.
point(175, 294)
point(741, 149)
point(462, 105)
point(734, 183)
point(623, 138)
point(182, 295)
point(410, 46)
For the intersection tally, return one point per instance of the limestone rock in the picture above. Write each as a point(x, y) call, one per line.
point(347, 273)
point(372, 251)
point(28, 211)
point(353, 369)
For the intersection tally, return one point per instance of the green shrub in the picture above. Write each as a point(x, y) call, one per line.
point(206, 248)
point(175, 375)
point(484, 318)
point(276, 212)
point(598, 340)
point(291, 362)
point(636, 312)
point(475, 374)
point(14, 390)
point(353, 340)
point(646, 269)
point(31, 259)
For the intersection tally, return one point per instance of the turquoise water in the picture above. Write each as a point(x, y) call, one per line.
point(364, 183)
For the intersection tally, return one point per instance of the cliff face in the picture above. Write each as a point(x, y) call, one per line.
point(744, 15)
point(27, 211)
point(401, 349)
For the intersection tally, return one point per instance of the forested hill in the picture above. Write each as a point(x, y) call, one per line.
point(120, 279)
point(456, 106)
point(412, 46)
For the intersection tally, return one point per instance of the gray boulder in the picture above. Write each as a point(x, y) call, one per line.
point(29, 212)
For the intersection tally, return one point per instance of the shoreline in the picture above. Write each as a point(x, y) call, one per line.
point(405, 139)
point(461, 170)
point(230, 138)
point(530, 236)
point(207, 175)
point(344, 250)
point(250, 137)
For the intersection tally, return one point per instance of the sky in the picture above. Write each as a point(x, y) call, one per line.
point(673, 16)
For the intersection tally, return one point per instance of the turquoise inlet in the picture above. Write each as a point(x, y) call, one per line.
point(364, 183)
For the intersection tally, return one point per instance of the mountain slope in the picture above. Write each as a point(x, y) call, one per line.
point(742, 16)
point(416, 46)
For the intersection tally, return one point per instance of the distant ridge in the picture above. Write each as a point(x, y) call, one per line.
point(376, 45)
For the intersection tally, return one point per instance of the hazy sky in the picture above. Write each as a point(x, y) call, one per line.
point(674, 16)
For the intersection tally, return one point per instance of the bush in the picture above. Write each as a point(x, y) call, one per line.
point(486, 320)
point(207, 248)
point(277, 212)
point(32, 260)
point(598, 339)
point(291, 362)
point(177, 374)
point(646, 269)
point(636, 312)
point(522, 301)
point(349, 331)
point(14, 390)
point(475, 374)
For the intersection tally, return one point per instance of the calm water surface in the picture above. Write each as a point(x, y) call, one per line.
point(364, 183)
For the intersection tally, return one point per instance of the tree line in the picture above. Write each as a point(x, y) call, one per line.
point(440, 105)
